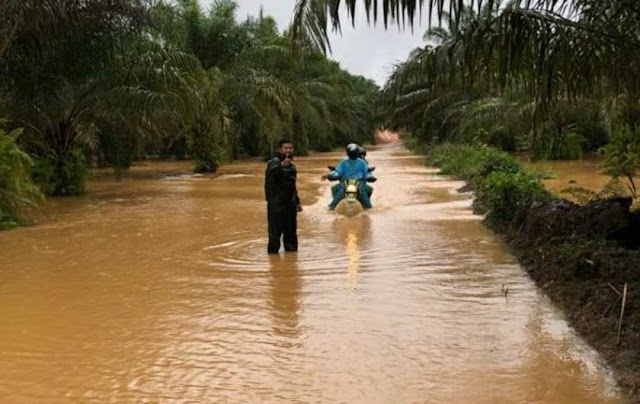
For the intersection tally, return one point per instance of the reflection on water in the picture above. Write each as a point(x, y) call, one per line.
point(286, 285)
point(158, 289)
point(354, 257)
point(353, 233)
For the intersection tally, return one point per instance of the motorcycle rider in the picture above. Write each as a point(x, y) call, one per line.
point(363, 153)
point(351, 168)
point(368, 188)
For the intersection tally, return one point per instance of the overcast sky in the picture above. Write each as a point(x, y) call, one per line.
point(366, 50)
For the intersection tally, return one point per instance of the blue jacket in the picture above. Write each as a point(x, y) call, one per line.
point(349, 169)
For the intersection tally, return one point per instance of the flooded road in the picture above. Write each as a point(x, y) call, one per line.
point(159, 289)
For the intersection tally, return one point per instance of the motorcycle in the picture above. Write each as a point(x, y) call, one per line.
point(350, 204)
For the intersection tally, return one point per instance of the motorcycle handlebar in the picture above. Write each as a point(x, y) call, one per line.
point(333, 168)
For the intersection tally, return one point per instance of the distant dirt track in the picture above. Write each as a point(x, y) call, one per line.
point(386, 136)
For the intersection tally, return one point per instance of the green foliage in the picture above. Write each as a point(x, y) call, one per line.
point(503, 196)
point(503, 187)
point(622, 156)
point(268, 92)
point(84, 78)
point(415, 145)
point(117, 149)
point(62, 175)
point(216, 39)
point(561, 144)
point(17, 191)
point(522, 75)
point(204, 147)
point(612, 189)
point(471, 162)
point(122, 79)
point(553, 47)
point(580, 194)
point(459, 160)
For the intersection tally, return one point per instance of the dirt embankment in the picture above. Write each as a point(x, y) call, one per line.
point(582, 256)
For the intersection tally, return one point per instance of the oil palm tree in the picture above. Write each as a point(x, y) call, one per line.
point(502, 65)
point(68, 61)
point(118, 79)
point(562, 46)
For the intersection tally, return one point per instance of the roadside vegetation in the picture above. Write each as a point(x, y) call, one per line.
point(17, 190)
point(555, 78)
point(107, 82)
point(550, 79)
point(517, 76)
point(583, 256)
point(504, 190)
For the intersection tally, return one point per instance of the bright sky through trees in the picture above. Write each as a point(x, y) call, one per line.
point(366, 50)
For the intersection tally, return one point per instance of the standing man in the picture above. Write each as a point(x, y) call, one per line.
point(283, 203)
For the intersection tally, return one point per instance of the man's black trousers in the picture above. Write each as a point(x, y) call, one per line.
point(282, 221)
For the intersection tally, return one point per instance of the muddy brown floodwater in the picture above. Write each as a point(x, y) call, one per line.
point(158, 289)
point(584, 173)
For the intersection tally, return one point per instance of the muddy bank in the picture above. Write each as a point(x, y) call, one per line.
point(582, 256)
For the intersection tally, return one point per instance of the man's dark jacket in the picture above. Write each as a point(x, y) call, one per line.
point(282, 205)
point(280, 184)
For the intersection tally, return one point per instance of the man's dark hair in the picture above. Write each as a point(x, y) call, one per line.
point(283, 142)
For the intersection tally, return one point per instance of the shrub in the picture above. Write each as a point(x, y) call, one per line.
point(118, 149)
point(622, 156)
point(503, 188)
point(503, 140)
point(62, 174)
point(203, 144)
point(503, 196)
point(17, 191)
point(415, 145)
point(558, 144)
point(497, 161)
point(471, 162)
point(583, 196)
